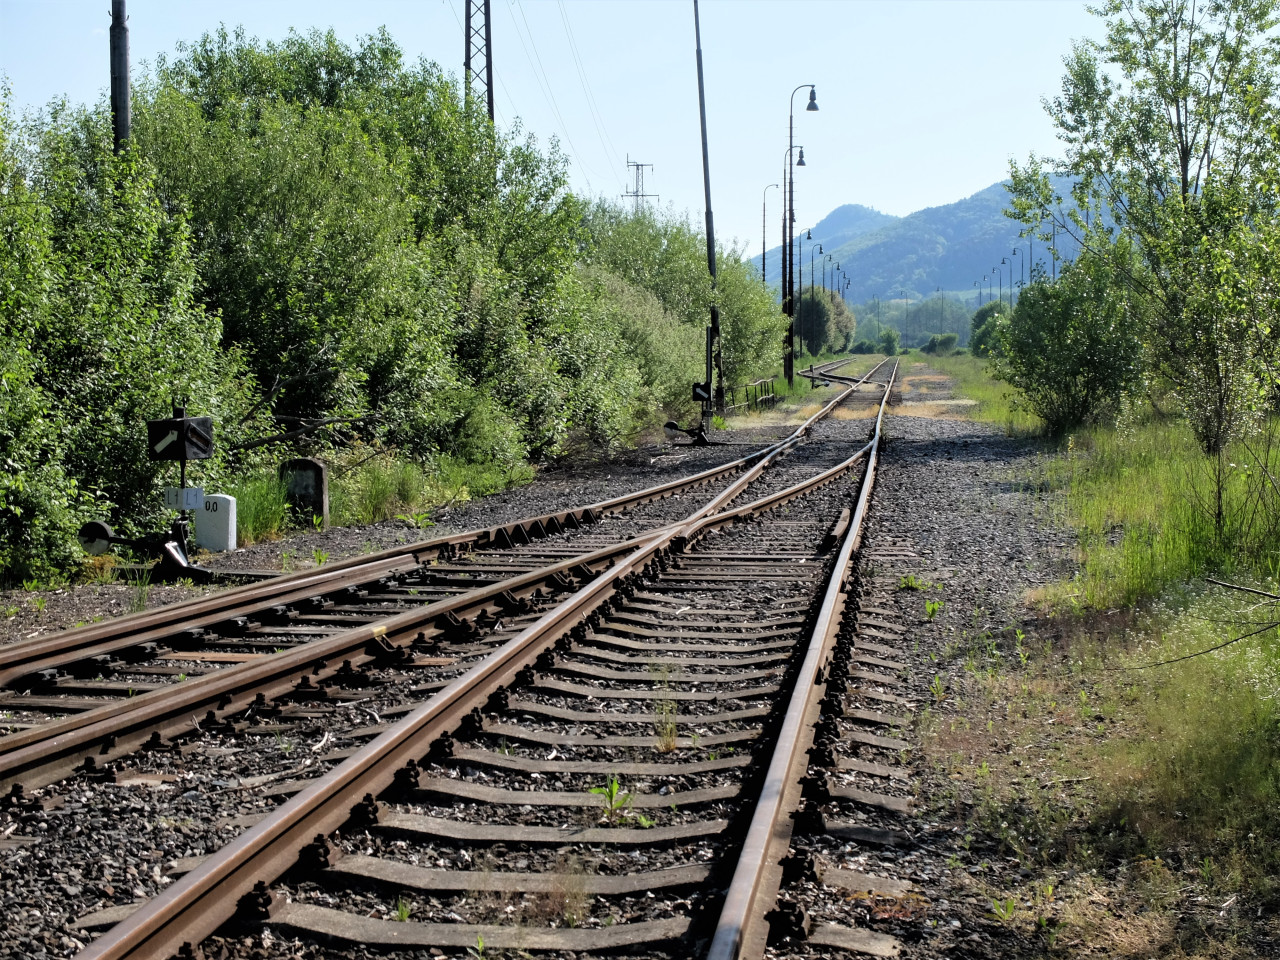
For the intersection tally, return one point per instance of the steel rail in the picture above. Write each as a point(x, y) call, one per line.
point(199, 903)
point(25, 658)
point(289, 588)
point(748, 894)
point(126, 723)
point(50, 751)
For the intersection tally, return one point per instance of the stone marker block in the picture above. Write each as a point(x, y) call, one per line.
point(216, 523)
point(306, 486)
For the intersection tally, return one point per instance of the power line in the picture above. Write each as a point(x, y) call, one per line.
point(544, 84)
point(597, 118)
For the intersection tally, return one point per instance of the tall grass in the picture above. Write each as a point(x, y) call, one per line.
point(384, 488)
point(1142, 501)
point(376, 490)
point(262, 512)
point(1201, 769)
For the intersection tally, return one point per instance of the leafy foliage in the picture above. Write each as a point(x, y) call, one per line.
point(1070, 347)
point(1167, 125)
point(824, 323)
point(666, 257)
point(326, 250)
point(982, 328)
point(99, 331)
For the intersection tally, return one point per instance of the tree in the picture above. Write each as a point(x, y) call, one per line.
point(1167, 127)
point(665, 256)
point(983, 327)
point(888, 342)
point(1071, 347)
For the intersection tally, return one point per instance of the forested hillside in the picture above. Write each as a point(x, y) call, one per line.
point(949, 246)
point(324, 249)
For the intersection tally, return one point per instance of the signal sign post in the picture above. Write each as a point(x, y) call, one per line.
point(179, 438)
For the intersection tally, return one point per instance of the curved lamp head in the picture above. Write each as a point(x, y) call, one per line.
point(813, 99)
point(819, 248)
point(800, 162)
point(808, 234)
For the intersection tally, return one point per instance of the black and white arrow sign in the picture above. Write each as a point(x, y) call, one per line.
point(169, 438)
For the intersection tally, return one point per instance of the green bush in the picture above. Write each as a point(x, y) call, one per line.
point(888, 344)
point(1071, 347)
point(941, 344)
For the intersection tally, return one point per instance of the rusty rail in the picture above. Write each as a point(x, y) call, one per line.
point(202, 901)
point(750, 893)
point(22, 659)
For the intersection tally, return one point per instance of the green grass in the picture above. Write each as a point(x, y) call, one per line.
point(376, 490)
point(996, 400)
point(1142, 501)
point(1202, 768)
point(384, 488)
point(261, 510)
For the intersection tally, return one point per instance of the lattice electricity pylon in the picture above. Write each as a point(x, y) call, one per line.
point(638, 195)
point(479, 47)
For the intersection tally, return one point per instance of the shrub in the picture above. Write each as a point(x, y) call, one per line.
point(1071, 346)
point(889, 339)
point(942, 344)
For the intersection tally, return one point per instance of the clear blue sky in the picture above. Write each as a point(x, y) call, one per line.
point(922, 102)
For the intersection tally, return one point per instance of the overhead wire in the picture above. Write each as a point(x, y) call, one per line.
point(544, 84)
point(597, 118)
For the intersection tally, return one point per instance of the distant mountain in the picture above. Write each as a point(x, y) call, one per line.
point(951, 247)
point(842, 225)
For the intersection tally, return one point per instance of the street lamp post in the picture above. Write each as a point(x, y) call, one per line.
point(906, 316)
point(1022, 269)
point(976, 284)
point(1010, 263)
point(764, 234)
point(941, 322)
point(789, 360)
point(811, 301)
point(999, 273)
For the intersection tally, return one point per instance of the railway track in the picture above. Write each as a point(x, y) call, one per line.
point(81, 700)
point(653, 695)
